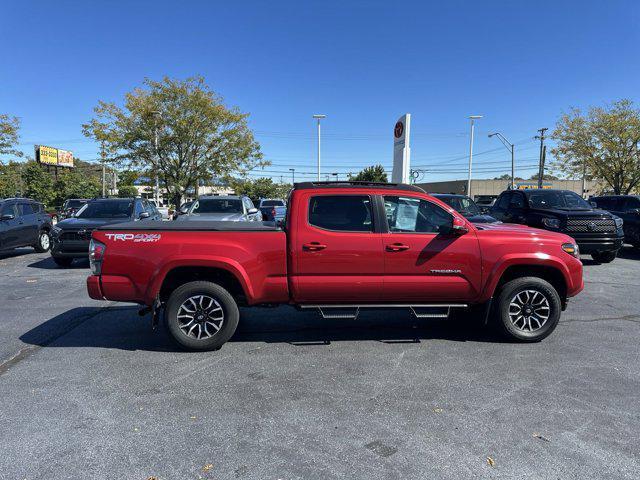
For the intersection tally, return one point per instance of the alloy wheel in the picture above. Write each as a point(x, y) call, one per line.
point(200, 317)
point(45, 242)
point(529, 310)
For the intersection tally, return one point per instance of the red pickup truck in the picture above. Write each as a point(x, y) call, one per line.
point(344, 246)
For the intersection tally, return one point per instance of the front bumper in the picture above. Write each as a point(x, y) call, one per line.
point(590, 244)
point(70, 248)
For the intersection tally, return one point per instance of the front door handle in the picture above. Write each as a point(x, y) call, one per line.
point(313, 246)
point(397, 247)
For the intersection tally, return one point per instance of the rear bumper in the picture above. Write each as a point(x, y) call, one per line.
point(112, 287)
point(94, 288)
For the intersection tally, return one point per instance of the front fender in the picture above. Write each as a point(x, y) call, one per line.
point(519, 259)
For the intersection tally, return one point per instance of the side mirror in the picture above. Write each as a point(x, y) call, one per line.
point(456, 228)
point(8, 216)
point(252, 211)
point(144, 215)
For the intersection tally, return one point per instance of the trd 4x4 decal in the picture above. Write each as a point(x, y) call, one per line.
point(134, 237)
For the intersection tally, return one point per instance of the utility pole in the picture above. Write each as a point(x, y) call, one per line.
point(472, 118)
point(319, 117)
point(293, 175)
point(156, 191)
point(102, 160)
point(541, 137)
point(584, 178)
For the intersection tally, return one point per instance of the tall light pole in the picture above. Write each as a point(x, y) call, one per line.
point(156, 191)
point(318, 118)
point(509, 146)
point(293, 175)
point(472, 118)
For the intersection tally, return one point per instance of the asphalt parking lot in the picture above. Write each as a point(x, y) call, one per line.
point(89, 391)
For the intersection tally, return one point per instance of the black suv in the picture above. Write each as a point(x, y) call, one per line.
point(626, 207)
point(24, 223)
point(596, 232)
point(71, 236)
point(465, 206)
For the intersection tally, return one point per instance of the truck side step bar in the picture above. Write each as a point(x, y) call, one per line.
point(351, 311)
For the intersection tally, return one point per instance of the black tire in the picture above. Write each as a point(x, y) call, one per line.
point(62, 261)
point(44, 242)
point(224, 300)
point(604, 257)
point(521, 286)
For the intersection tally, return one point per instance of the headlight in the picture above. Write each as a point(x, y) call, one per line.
point(572, 249)
point(551, 222)
point(618, 221)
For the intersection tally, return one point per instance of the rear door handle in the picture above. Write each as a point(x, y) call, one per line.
point(313, 246)
point(397, 247)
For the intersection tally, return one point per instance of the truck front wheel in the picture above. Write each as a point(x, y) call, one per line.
point(528, 309)
point(201, 315)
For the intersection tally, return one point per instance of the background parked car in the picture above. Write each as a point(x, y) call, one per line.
point(626, 207)
point(485, 202)
point(24, 223)
point(267, 208)
point(596, 232)
point(163, 211)
point(232, 208)
point(71, 236)
point(465, 206)
point(182, 210)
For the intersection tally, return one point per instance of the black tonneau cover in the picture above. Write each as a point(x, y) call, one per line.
point(194, 226)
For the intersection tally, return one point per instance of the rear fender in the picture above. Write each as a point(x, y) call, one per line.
point(223, 263)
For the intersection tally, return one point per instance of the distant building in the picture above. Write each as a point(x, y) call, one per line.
point(145, 190)
point(495, 187)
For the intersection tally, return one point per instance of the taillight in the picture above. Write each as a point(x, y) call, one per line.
point(96, 255)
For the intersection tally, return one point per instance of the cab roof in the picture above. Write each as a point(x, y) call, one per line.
point(357, 184)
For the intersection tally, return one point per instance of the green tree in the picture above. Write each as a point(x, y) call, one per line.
point(9, 127)
point(74, 183)
point(603, 143)
point(128, 177)
point(10, 179)
point(198, 136)
point(37, 182)
point(260, 188)
point(546, 176)
point(127, 191)
point(374, 173)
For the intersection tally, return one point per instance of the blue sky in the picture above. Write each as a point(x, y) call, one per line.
point(363, 64)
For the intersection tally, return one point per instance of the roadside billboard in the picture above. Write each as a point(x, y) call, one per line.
point(47, 155)
point(54, 156)
point(528, 186)
point(65, 158)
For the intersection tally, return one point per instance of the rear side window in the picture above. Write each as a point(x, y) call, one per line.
point(25, 209)
point(346, 213)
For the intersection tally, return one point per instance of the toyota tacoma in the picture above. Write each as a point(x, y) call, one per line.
point(344, 247)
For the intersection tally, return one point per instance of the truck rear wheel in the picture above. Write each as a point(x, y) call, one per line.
point(201, 315)
point(528, 309)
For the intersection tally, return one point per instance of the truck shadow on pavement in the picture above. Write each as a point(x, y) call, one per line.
point(49, 264)
point(120, 327)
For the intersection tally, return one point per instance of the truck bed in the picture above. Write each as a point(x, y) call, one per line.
point(140, 256)
point(195, 226)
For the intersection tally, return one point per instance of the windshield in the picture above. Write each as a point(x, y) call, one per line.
point(218, 205)
point(74, 203)
point(272, 203)
point(557, 199)
point(114, 209)
point(463, 205)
